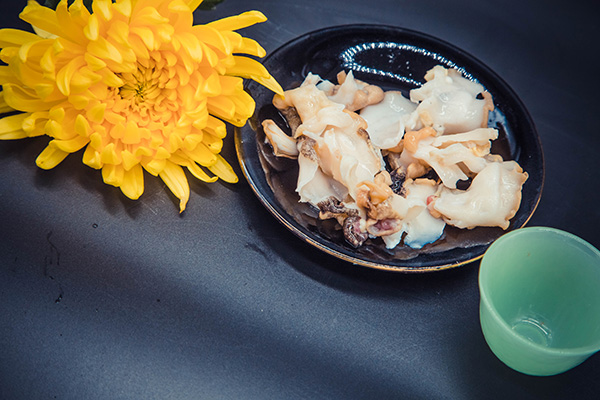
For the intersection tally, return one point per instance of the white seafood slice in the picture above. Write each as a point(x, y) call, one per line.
point(307, 100)
point(353, 93)
point(387, 120)
point(448, 102)
point(492, 199)
point(348, 157)
point(420, 226)
point(283, 145)
point(313, 185)
point(451, 156)
point(340, 146)
point(330, 116)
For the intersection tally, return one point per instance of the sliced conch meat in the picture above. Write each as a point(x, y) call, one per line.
point(306, 99)
point(439, 137)
point(420, 226)
point(492, 199)
point(388, 120)
point(449, 102)
point(352, 93)
point(283, 145)
point(451, 156)
point(313, 185)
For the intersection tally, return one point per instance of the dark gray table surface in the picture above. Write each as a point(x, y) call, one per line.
point(102, 297)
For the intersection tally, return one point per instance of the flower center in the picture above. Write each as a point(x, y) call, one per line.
point(139, 88)
point(148, 95)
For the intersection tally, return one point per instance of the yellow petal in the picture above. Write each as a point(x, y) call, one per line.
point(175, 179)
point(132, 185)
point(102, 8)
point(238, 21)
point(210, 56)
point(79, 12)
point(231, 84)
point(71, 27)
point(113, 174)
point(105, 50)
point(212, 38)
point(191, 44)
point(216, 127)
point(50, 157)
point(64, 76)
point(92, 29)
point(149, 16)
point(123, 7)
point(110, 78)
point(181, 159)
point(93, 62)
point(42, 33)
point(82, 126)
point(131, 134)
point(129, 159)
point(247, 68)
point(4, 108)
point(56, 130)
point(11, 127)
point(7, 75)
point(96, 113)
point(200, 174)
point(16, 37)
point(92, 158)
point(213, 143)
point(222, 107)
point(35, 123)
point(202, 155)
point(18, 99)
point(110, 155)
point(71, 145)
point(191, 141)
point(41, 17)
point(251, 47)
point(270, 83)
point(223, 170)
point(146, 35)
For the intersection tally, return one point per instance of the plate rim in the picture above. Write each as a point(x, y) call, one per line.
point(280, 215)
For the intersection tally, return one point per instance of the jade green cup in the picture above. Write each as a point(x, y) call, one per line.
point(540, 300)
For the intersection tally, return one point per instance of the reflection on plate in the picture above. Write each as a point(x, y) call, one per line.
point(395, 59)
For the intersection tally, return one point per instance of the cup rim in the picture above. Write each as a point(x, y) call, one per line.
point(484, 297)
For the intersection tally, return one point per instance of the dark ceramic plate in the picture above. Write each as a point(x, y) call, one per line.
point(393, 58)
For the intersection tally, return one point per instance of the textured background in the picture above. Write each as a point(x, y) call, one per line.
point(107, 298)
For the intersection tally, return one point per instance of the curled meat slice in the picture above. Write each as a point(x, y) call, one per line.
point(451, 103)
point(353, 93)
point(283, 145)
point(388, 120)
point(452, 157)
point(492, 199)
point(313, 185)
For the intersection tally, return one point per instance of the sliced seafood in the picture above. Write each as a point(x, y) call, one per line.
point(395, 169)
point(388, 120)
point(492, 199)
point(450, 103)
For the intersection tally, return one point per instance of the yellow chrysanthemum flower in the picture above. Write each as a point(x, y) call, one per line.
point(135, 83)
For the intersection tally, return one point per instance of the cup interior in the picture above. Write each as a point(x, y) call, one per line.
point(544, 284)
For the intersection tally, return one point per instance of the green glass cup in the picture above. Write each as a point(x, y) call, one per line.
point(540, 300)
